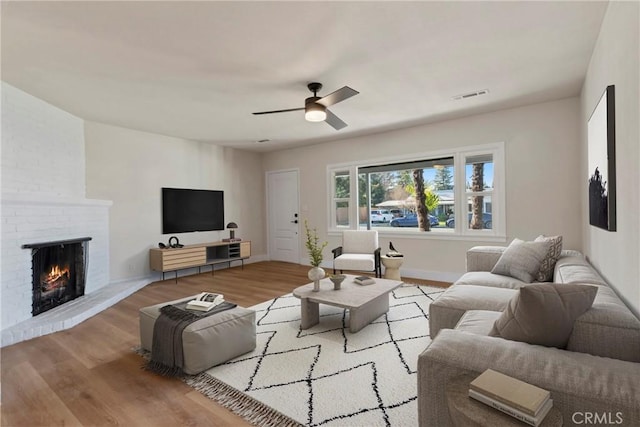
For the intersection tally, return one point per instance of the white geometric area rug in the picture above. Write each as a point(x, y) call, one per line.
point(325, 375)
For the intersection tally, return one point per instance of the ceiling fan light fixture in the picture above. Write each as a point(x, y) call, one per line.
point(315, 112)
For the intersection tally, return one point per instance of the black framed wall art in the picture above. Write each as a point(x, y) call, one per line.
point(601, 141)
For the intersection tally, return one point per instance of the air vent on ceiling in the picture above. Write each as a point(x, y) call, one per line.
point(471, 94)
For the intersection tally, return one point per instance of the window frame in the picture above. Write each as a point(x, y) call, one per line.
point(461, 231)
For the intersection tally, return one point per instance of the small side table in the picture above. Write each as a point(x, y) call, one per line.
point(467, 412)
point(391, 267)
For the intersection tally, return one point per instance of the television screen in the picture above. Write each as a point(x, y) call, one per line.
point(185, 210)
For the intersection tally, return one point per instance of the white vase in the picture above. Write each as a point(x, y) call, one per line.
point(316, 274)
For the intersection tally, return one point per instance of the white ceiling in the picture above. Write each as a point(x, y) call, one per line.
point(197, 70)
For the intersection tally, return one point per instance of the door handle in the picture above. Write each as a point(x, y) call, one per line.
point(295, 221)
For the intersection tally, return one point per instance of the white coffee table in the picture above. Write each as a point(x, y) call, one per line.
point(365, 303)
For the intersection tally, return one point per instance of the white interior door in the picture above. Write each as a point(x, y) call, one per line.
point(283, 216)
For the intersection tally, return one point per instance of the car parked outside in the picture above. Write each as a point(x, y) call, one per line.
point(381, 215)
point(486, 220)
point(411, 220)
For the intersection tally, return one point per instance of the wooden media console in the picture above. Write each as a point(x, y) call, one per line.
point(189, 256)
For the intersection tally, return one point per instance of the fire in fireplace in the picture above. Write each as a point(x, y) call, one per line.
point(58, 272)
point(58, 277)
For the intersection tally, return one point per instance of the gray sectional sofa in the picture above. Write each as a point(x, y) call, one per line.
point(597, 375)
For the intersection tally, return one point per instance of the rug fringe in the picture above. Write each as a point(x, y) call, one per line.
point(253, 411)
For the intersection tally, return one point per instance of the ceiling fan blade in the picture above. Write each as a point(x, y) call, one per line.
point(278, 111)
point(334, 121)
point(337, 96)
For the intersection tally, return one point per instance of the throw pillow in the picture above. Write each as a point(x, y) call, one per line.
point(522, 260)
point(544, 313)
point(549, 262)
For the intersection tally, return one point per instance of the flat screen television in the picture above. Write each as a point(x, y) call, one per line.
point(185, 210)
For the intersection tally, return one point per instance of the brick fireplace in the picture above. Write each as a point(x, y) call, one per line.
point(58, 272)
point(41, 203)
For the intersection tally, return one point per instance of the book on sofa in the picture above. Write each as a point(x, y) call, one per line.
point(534, 420)
point(519, 399)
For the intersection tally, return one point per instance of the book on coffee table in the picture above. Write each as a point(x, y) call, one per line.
point(364, 280)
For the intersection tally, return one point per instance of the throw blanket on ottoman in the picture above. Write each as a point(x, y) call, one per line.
point(166, 351)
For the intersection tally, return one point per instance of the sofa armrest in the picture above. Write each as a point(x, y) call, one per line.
point(579, 383)
point(483, 258)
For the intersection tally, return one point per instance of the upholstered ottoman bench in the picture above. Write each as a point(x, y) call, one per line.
point(208, 341)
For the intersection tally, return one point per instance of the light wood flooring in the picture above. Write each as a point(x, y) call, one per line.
point(90, 376)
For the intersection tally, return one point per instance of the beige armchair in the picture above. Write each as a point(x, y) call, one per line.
point(359, 252)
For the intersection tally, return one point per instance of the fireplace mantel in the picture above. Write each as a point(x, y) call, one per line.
point(57, 242)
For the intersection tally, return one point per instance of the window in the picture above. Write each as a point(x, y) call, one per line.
point(341, 189)
point(393, 186)
point(462, 191)
point(479, 188)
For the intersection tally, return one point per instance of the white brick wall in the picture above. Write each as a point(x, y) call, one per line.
point(26, 219)
point(42, 147)
point(43, 197)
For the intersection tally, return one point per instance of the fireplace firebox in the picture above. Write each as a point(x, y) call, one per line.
point(59, 271)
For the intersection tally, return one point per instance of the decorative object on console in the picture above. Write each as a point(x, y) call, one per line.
point(522, 260)
point(601, 136)
point(175, 244)
point(232, 233)
point(544, 314)
point(315, 255)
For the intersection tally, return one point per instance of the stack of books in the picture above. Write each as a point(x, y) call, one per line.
point(364, 280)
point(205, 301)
point(521, 400)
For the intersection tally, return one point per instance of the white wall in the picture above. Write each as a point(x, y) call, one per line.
point(543, 185)
point(42, 147)
point(131, 167)
point(615, 62)
point(43, 197)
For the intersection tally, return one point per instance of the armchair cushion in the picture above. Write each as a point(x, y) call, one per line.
point(360, 262)
point(359, 241)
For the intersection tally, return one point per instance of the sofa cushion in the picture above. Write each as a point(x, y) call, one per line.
point(607, 329)
point(478, 321)
point(578, 273)
point(522, 260)
point(485, 278)
point(450, 306)
point(549, 262)
point(483, 258)
point(544, 314)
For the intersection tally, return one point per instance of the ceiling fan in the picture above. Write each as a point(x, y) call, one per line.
point(315, 107)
